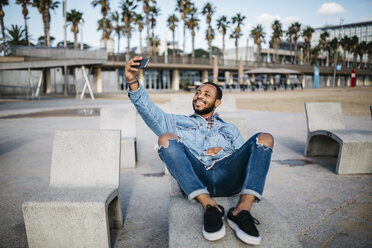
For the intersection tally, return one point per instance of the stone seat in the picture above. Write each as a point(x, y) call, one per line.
point(123, 119)
point(82, 200)
point(327, 136)
point(186, 220)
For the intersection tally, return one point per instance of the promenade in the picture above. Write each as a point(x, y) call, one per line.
point(322, 208)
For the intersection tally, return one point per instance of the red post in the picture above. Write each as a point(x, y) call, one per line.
point(353, 78)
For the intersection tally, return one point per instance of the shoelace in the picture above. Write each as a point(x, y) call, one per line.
point(249, 218)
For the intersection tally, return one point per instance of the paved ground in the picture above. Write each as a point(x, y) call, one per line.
point(322, 208)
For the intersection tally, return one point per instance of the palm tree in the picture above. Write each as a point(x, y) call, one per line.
point(2, 14)
point(105, 7)
point(354, 41)
point(258, 36)
point(24, 4)
point(146, 10)
point(307, 33)
point(222, 24)
point(41, 40)
point(209, 36)
point(314, 53)
point(361, 50)
point(184, 7)
point(128, 7)
point(296, 34)
point(138, 20)
point(238, 20)
point(333, 46)
point(208, 10)
point(192, 24)
point(172, 24)
point(16, 36)
point(275, 39)
point(323, 43)
point(74, 17)
point(369, 51)
point(345, 44)
point(109, 28)
point(154, 13)
point(115, 18)
point(44, 6)
point(290, 34)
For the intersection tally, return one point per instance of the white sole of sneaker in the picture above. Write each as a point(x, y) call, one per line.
point(214, 236)
point(252, 240)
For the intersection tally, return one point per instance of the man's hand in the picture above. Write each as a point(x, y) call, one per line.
point(213, 151)
point(131, 72)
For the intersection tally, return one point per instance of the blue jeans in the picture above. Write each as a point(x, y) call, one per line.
point(242, 172)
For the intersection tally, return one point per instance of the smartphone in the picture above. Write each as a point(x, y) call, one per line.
point(143, 64)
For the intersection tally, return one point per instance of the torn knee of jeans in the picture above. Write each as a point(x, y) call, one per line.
point(158, 147)
point(264, 145)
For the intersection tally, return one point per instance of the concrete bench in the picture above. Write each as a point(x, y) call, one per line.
point(82, 201)
point(124, 119)
point(327, 136)
point(186, 220)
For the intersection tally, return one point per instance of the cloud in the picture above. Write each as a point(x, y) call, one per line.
point(331, 8)
point(267, 19)
point(290, 19)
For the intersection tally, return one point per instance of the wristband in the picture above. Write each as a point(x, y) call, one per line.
point(134, 82)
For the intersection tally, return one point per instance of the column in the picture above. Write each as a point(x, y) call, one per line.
point(215, 70)
point(99, 80)
point(348, 81)
point(240, 72)
point(205, 76)
point(288, 79)
point(338, 81)
point(227, 77)
point(303, 80)
point(327, 82)
point(176, 80)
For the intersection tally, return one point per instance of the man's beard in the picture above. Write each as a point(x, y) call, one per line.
point(204, 111)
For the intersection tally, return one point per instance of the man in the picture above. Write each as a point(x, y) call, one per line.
point(208, 157)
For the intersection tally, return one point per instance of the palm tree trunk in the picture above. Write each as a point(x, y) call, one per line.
point(236, 48)
point(119, 42)
point(128, 40)
point(223, 46)
point(296, 53)
point(3, 32)
point(192, 43)
point(290, 48)
point(173, 53)
point(184, 39)
point(259, 53)
point(46, 21)
point(75, 40)
point(148, 33)
point(141, 48)
point(26, 30)
point(209, 42)
point(104, 32)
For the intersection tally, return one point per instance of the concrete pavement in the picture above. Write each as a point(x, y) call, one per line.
point(322, 208)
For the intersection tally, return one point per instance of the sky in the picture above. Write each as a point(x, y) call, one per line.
point(315, 13)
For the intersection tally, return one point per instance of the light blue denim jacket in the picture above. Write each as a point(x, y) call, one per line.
point(191, 129)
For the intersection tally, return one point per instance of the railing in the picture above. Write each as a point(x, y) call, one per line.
point(228, 63)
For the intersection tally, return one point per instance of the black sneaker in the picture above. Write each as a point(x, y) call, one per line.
point(244, 225)
point(213, 228)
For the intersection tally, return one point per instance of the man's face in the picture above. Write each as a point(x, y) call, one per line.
point(205, 100)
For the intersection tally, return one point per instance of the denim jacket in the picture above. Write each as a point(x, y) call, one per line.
point(191, 129)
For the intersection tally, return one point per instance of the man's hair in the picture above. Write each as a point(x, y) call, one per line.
point(218, 88)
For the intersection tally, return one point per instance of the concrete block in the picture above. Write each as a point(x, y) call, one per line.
point(82, 200)
point(123, 119)
point(327, 136)
point(186, 220)
point(128, 153)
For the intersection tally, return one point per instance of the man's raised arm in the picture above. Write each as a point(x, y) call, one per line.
point(156, 119)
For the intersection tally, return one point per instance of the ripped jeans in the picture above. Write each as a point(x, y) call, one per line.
point(242, 172)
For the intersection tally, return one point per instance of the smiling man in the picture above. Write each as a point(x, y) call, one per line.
point(208, 157)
